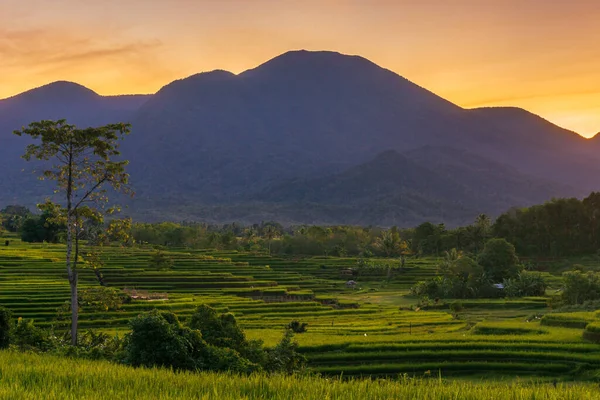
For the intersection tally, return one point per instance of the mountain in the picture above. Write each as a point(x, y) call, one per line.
point(437, 184)
point(316, 136)
point(300, 113)
point(76, 103)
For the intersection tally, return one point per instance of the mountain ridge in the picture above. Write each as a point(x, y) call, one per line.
point(218, 139)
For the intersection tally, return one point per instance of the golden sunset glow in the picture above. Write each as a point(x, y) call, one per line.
point(540, 55)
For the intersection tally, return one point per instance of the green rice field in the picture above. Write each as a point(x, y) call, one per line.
point(373, 330)
point(29, 377)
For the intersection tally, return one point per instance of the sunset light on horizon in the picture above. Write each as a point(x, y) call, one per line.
point(538, 55)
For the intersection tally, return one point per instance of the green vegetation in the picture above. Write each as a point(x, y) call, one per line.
point(5, 327)
point(378, 303)
point(30, 376)
point(372, 329)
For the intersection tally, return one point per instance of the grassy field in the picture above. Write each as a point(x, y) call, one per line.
point(27, 376)
point(374, 330)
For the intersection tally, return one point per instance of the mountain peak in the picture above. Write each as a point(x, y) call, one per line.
point(310, 61)
point(190, 83)
point(63, 90)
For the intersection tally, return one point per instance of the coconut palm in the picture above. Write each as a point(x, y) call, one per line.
point(270, 232)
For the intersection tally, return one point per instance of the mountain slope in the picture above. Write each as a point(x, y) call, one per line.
point(59, 100)
point(427, 184)
point(308, 126)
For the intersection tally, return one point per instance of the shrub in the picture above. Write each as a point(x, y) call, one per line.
point(499, 260)
point(100, 298)
point(160, 261)
point(456, 307)
point(27, 336)
point(218, 330)
point(5, 327)
point(297, 326)
point(285, 356)
point(580, 287)
point(158, 339)
point(525, 284)
point(93, 346)
point(224, 359)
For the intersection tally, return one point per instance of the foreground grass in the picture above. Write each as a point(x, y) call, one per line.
point(28, 376)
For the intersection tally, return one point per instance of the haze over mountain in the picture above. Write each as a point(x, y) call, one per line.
point(314, 137)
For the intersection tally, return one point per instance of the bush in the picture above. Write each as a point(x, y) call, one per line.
point(285, 356)
point(158, 339)
point(93, 346)
point(525, 284)
point(297, 326)
point(224, 359)
point(5, 327)
point(462, 279)
point(100, 298)
point(456, 307)
point(580, 287)
point(218, 330)
point(160, 261)
point(27, 336)
point(499, 260)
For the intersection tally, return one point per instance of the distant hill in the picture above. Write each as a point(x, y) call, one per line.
point(315, 136)
point(430, 183)
point(76, 103)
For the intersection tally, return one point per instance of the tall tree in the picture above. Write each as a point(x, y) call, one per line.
point(270, 232)
point(391, 244)
point(84, 163)
point(499, 260)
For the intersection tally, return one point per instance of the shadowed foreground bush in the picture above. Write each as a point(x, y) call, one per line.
point(29, 376)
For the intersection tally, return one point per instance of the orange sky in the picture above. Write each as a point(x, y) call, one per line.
point(543, 55)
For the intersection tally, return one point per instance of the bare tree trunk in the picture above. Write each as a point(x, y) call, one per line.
point(72, 273)
point(74, 309)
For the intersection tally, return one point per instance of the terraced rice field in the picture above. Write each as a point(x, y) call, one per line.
point(373, 330)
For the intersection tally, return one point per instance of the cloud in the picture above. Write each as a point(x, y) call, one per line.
point(38, 56)
point(51, 47)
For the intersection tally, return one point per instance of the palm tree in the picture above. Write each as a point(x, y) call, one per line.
point(450, 259)
point(270, 232)
point(483, 221)
point(250, 235)
point(391, 244)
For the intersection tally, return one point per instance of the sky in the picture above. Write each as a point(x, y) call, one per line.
point(542, 55)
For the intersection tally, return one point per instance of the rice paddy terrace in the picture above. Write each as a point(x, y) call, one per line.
point(371, 330)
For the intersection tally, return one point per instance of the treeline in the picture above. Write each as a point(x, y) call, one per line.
point(560, 227)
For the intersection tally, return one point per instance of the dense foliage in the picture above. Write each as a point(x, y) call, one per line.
point(462, 277)
point(526, 283)
point(5, 327)
point(580, 287)
point(560, 227)
point(211, 342)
